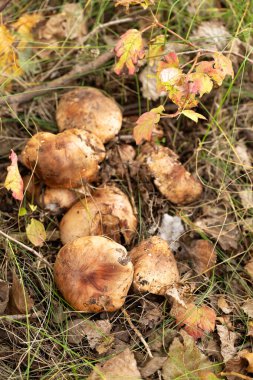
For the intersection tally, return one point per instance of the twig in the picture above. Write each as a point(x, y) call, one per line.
point(20, 317)
point(236, 375)
point(3, 6)
point(37, 254)
point(137, 332)
point(39, 90)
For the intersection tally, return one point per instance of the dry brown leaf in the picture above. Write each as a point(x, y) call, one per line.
point(4, 295)
point(224, 306)
point(20, 302)
point(185, 360)
point(245, 354)
point(121, 367)
point(69, 24)
point(249, 268)
point(204, 256)
point(247, 307)
point(233, 366)
point(243, 156)
point(246, 198)
point(97, 333)
point(211, 34)
point(216, 223)
point(151, 315)
point(227, 339)
point(153, 365)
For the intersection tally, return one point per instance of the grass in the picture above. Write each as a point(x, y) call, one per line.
point(37, 348)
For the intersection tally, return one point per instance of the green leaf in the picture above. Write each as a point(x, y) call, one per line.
point(22, 211)
point(36, 233)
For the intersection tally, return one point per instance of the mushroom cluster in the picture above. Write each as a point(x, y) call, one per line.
point(93, 270)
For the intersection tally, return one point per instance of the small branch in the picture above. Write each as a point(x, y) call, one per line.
point(171, 115)
point(244, 377)
point(37, 254)
point(20, 317)
point(77, 71)
point(137, 332)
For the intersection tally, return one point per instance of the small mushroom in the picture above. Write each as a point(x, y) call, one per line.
point(54, 200)
point(170, 177)
point(89, 109)
point(93, 274)
point(66, 160)
point(106, 212)
point(155, 268)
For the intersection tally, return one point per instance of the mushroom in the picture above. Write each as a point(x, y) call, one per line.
point(89, 109)
point(94, 274)
point(66, 160)
point(170, 177)
point(106, 212)
point(155, 268)
point(54, 200)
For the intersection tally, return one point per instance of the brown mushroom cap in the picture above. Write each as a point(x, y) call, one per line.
point(107, 212)
point(54, 200)
point(155, 268)
point(170, 177)
point(66, 160)
point(89, 109)
point(93, 274)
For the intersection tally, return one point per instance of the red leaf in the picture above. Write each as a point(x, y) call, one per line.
point(129, 50)
point(196, 320)
point(146, 123)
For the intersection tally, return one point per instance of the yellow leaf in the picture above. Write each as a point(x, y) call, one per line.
point(13, 179)
point(193, 115)
point(25, 24)
point(8, 58)
point(200, 83)
point(156, 49)
point(36, 233)
point(129, 49)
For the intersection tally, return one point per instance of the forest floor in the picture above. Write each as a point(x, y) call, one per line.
point(35, 341)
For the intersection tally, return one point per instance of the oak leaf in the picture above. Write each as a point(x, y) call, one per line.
point(36, 233)
point(197, 320)
point(129, 49)
point(146, 123)
point(14, 180)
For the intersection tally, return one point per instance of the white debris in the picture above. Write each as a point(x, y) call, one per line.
point(170, 230)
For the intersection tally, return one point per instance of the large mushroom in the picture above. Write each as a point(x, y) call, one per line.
point(170, 177)
point(106, 212)
point(89, 109)
point(155, 268)
point(93, 274)
point(65, 160)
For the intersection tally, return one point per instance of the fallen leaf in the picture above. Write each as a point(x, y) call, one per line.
point(129, 50)
point(148, 79)
point(243, 155)
point(216, 223)
point(153, 365)
point(203, 255)
point(185, 360)
point(24, 26)
point(14, 180)
point(97, 333)
point(249, 268)
point(227, 338)
point(197, 320)
point(224, 306)
point(121, 366)
point(234, 366)
point(249, 357)
point(170, 230)
point(246, 198)
point(8, 59)
point(146, 123)
point(247, 307)
point(4, 295)
point(36, 233)
point(151, 314)
point(195, 116)
point(126, 3)
point(20, 302)
point(250, 328)
point(69, 24)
